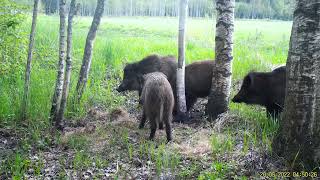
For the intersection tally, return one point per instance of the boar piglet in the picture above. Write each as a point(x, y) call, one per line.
point(265, 89)
point(158, 101)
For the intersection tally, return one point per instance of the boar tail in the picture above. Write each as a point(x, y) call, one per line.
point(161, 113)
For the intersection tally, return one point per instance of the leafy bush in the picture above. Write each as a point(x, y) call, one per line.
point(13, 39)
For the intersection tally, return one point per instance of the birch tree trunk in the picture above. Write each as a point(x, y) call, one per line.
point(221, 81)
point(24, 107)
point(66, 83)
point(87, 57)
point(56, 100)
point(181, 96)
point(299, 133)
point(131, 8)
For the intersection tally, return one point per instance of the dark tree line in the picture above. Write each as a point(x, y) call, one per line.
point(249, 9)
point(50, 6)
point(262, 9)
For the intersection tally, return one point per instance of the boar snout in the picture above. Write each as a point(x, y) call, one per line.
point(237, 99)
point(120, 88)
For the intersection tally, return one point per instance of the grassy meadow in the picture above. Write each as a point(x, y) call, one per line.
point(259, 45)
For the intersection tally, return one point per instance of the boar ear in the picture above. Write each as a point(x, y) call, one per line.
point(251, 77)
point(140, 78)
point(248, 81)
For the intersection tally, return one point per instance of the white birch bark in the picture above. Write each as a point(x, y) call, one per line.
point(56, 100)
point(87, 57)
point(25, 102)
point(221, 81)
point(66, 83)
point(181, 96)
point(299, 133)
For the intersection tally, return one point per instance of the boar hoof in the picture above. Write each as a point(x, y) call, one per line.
point(141, 126)
point(161, 125)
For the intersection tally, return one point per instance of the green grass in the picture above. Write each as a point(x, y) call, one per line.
point(258, 46)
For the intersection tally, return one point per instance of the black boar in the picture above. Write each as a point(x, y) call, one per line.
point(198, 80)
point(198, 76)
point(153, 63)
point(264, 88)
point(158, 101)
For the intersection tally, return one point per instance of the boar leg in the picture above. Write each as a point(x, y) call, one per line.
point(153, 127)
point(168, 131)
point(190, 100)
point(161, 125)
point(167, 120)
point(143, 120)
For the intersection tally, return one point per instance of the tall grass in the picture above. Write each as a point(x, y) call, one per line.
point(259, 45)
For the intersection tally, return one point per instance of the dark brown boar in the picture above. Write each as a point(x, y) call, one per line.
point(198, 80)
point(264, 88)
point(158, 101)
point(198, 76)
point(153, 63)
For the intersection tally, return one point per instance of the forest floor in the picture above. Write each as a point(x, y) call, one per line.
point(101, 138)
point(109, 145)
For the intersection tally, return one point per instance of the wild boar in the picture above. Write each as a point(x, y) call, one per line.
point(198, 77)
point(133, 72)
point(198, 80)
point(158, 101)
point(265, 89)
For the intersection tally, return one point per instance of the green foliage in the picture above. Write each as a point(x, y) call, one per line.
point(15, 166)
point(13, 45)
point(259, 45)
point(81, 160)
point(272, 9)
point(259, 130)
point(222, 144)
point(78, 142)
point(12, 37)
point(218, 171)
point(189, 171)
point(165, 159)
point(258, 9)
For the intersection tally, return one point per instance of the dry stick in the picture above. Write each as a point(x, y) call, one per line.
point(66, 84)
point(24, 107)
point(87, 57)
point(60, 76)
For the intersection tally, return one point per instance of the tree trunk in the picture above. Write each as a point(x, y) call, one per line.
point(56, 100)
point(131, 8)
point(221, 81)
point(87, 57)
point(181, 97)
point(66, 83)
point(46, 7)
point(29, 61)
point(299, 133)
